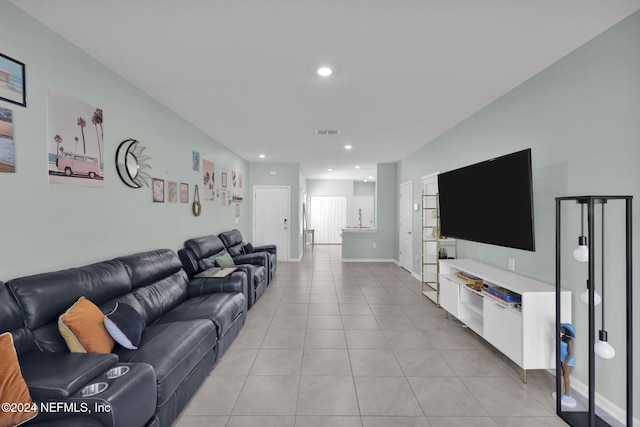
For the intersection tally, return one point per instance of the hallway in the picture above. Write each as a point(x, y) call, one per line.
point(357, 345)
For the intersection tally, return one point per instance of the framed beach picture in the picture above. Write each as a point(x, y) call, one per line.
point(12, 82)
point(7, 146)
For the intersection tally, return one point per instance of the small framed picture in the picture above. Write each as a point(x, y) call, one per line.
point(224, 180)
point(195, 159)
point(172, 191)
point(12, 81)
point(158, 190)
point(184, 192)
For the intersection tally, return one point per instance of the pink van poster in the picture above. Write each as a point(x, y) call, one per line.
point(75, 142)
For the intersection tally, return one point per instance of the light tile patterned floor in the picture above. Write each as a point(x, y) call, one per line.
point(357, 345)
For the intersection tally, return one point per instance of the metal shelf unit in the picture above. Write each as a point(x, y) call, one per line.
point(434, 247)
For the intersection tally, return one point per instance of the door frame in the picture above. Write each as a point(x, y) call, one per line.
point(400, 206)
point(288, 237)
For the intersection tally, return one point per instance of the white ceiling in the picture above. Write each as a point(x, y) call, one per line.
point(405, 71)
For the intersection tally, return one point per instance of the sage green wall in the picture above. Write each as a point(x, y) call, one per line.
point(364, 188)
point(357, 246)
point(288, 175)
point(581, 118)
point(50, 227)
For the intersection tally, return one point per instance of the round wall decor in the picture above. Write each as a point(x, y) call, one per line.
point(131, 163)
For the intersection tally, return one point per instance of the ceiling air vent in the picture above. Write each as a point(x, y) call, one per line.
point(327, 131)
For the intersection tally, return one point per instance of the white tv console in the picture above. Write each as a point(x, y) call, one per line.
point(525, 333)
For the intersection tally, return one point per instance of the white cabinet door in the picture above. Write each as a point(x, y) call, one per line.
point(449, 295)
point(503, 329)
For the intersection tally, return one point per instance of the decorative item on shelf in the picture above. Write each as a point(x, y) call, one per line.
point(473, 282)
point(131, 163)
point(569, 413)
point(567, 362)
point(196, 208)
point(504, 295)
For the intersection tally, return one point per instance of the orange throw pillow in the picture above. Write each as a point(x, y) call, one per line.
point(13, 389)
point(82, 327)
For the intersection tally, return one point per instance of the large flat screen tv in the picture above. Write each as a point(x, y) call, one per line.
point(490, 202)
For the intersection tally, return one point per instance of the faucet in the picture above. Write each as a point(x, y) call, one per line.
point(360, 218)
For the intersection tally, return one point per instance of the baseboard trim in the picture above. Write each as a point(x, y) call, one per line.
point(605, 404)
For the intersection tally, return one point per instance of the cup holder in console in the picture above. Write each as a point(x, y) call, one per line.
point(93, 389)
point(117, 372)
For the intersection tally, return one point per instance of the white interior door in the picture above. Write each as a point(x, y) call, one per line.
point(328, 216)
point(271, 221)
point(406, 225)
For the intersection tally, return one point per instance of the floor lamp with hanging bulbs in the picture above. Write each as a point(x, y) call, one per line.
point(601, 348)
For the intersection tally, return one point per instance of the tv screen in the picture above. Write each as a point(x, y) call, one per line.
point(490, 202)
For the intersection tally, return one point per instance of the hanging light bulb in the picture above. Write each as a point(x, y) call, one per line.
point(602, 348)
point(581, 253)
point(584, 296)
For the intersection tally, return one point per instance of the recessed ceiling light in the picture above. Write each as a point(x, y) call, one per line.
point(329, 170)
point(262, 156)
point(357, 166)
point(348, 147)
point(324, 71)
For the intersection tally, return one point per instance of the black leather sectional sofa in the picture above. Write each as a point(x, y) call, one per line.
point(188, 324)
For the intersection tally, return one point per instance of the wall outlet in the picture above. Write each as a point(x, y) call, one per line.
point(512, 264)
point(375, 246)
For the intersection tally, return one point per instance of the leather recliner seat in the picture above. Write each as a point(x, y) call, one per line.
point(200, 253)
point(236, 246)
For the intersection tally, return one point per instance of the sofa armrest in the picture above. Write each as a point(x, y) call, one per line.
point(255, 259)
point(272, 249)
point(52, 376)
point(234, 282)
